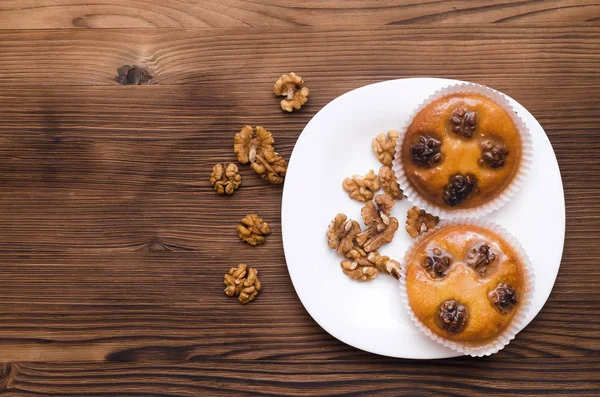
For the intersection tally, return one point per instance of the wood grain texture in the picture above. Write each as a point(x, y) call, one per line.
point(44, 14)
point(368, 377)
point(114, 246)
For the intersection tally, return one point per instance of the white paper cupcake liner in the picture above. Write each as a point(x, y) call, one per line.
point(518, 321)
point(504, 196)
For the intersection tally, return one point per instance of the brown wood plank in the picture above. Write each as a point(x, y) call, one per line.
point(363, 376)
point(251, 60)
point(44, 14)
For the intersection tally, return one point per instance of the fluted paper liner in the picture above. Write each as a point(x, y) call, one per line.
point(505, 195)
point(518, 321)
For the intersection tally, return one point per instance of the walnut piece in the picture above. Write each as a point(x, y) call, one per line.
point(437, 263)
point(459, 188)
point(426, 152)
point(256, 146)
point(380, 225)
point(503, 298)
point(225, 180)
point(362, 188)
point(479, 257)
point(341, 236)
point(385, 264)
point(389, 182)
point(133, 75)
point(360, 269)
point(463, 122)
point(253, 229)
point(290, 86)
point(384, 146)
point(242, 282)
point(418, 221)
point(453, 316)
point(367, 267)
point(493, 154)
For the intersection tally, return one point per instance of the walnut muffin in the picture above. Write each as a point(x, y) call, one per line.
point(461, 151)
point(467, 286)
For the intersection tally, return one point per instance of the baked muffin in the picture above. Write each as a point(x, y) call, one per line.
point(467, 286)
point(462, 150)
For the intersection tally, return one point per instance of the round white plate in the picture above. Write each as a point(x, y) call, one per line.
point(335, 144)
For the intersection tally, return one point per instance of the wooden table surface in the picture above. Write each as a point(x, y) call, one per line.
point(113, 245)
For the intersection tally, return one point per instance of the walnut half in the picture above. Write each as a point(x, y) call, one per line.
point(389, 182)
point(367, 267)
point(253, 229)
point(256, 146)
point(242, 282)
point(418, 221)
point(380, 225)
point(290, 86)
point(225, 179)
point(385, 264)
point(362, 188)
point(341, 236)
point(384, 146)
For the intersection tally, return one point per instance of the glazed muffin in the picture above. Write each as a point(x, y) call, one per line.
point(462, 150)
point(467, 286)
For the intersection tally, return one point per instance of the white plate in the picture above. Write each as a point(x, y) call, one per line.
point(336, 143)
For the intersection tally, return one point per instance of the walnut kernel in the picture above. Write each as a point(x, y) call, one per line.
point(480, 257)
point(503, 298)
point(367, 267)
point(453, 316)
point(362, 188)
point(360, 269)
point(380, 225)
point(256, 146)
point(418, 221)
point(341, 236)
point(242, 282)
point(493, 154)
point(384, 146)
point(426, 152)
point(385, 264)
point(253, 229)
point(459, 188)
point(437, 263)
point(389, 182)
point(225, 180)
point(463, 122)
point(290, 86)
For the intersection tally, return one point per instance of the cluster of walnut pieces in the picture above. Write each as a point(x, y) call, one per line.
point(363, 262)
point(363, 188)
point(418, 222)
point(255, 146)
point(225, 179)
point(291, 87)
point(253, 229)
point(242, 281)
